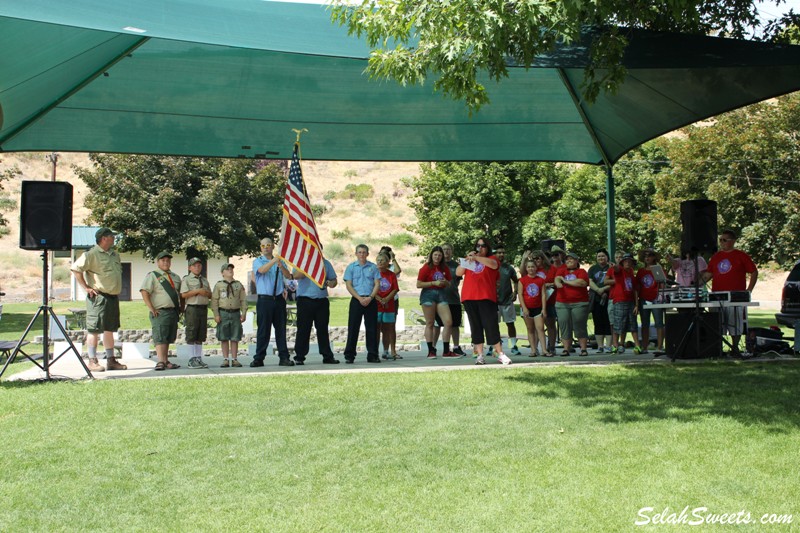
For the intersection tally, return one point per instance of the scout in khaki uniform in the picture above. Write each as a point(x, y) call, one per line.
point(196, 292)
point(161, 291)
point(229, 305)
point(99, 272)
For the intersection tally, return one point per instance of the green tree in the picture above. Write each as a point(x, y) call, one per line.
point(459, 202)
point(458, 41)
point(6, 202)
point(747, 162)
point(214, 207)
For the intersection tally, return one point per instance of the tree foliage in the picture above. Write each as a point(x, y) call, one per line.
point(214, 207)
point(6, 203)
point(745, 160)
point(459, 202)
point(460, 42)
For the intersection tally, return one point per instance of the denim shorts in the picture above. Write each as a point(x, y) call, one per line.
point(431, 297)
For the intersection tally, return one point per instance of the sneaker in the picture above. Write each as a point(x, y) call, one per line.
point(504, 359)
point(621, 350)
point(458, 351)
point(490, 352)
point(613, 350)
point(480, 361)
point(236, 363)
point(637, 350)
point(450, 354)
point(225, 364)
point(515, 351)
point(432, 355)
point(601, 350)
point(195, 362)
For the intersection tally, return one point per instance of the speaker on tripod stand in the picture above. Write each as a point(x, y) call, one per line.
point(45, 224)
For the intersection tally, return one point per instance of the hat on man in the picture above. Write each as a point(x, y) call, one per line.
point(574, 256)
point(162, 255)
point(649, 251)
point(627, 255)
point(102, 232)
point(194, 260)
point(225, 267)
point(556, 249)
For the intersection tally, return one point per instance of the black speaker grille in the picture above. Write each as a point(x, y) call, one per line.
point(46, 216)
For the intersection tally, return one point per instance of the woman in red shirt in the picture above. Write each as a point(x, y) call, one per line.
point(648, 294)
point(433, 277)
point(533, 304)
point(572, 303)
point(479, 295)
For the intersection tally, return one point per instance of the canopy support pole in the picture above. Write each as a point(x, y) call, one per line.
point(611, 216)
point(91, 77)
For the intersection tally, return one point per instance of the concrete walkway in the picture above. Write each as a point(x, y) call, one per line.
point(68, 366)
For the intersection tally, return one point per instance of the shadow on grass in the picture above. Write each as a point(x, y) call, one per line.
point(17, 322)
point(753, 394)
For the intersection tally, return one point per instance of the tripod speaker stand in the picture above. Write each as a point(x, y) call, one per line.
point(46, 312)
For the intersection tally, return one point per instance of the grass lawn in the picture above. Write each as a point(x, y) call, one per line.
point(485, 449)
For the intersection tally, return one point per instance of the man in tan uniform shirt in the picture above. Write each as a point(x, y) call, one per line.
point(99, 273)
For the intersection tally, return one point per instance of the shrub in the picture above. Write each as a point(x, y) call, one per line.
point(357, 191)
point(334, 251)
point(329, 195)
point(400, 240)
point(318, 210)
point(343, 234)
point(350, 173)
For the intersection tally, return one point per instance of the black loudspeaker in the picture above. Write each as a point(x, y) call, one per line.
point(708, 328)
point(45, 220)
point(547, 244)
point(699, 222)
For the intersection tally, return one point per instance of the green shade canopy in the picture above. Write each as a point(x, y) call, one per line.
point(232, 78)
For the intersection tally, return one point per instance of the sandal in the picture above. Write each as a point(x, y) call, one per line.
point(565, 353)
point(171, 366)
point(160, 366)
point(549, 354)
point(584, 353)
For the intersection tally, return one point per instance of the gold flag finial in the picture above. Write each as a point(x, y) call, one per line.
point(299, 133)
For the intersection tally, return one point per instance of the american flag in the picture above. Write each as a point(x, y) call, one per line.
point(299, 244)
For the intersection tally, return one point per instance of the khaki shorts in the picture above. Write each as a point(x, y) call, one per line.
point(102, 313)
point(165, 326)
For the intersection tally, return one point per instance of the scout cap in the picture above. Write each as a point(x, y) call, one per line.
point(102, 232)
point(162, 255)
point(194, 260)
point(225, 267)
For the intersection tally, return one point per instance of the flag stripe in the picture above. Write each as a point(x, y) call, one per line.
point(300, 244)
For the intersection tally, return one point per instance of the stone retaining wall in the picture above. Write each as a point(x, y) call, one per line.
point(407, 340)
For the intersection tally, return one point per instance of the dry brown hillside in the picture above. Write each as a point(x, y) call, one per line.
point(376, 220)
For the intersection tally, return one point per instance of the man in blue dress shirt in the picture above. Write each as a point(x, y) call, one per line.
point(313, 307)
point(269, 272)
point(363, 281)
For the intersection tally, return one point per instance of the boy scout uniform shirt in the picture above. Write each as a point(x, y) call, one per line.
point(190, 283)
point(228, 296)
point(158, 296)
point(102, 270)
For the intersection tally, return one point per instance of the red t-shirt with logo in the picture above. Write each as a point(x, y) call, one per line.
point(480, 284)
point(387, 284)
point(623, 289)
point(730, 270)
point(568, 294)
point(648, 288)
point(532, 289)
point(430, 273)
